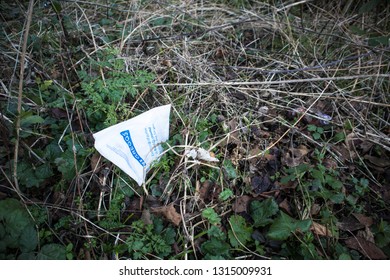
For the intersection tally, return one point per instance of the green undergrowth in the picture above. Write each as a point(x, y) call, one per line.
point(294, 175)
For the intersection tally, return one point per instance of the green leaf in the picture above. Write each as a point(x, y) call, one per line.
point(215, 232)
point(262, 211)
point(379, 41)
point(240, 233)
point(283, 226)
point(344, 256)
point(225, 194)
point(28, 239)
point(230, 169)
point(311, 127)
point(29, 120)
point(340, 136)
point(369, 6)
point(316, 136)
point(169, 236)
point(52, 251)
point(320, 130)
point(211, 216)
point(337, 198)
point(216, 248)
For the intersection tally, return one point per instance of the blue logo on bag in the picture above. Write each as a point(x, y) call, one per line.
point(126, 136)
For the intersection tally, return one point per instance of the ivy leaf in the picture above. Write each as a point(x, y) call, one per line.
point(262, 211)
point(283, 226)
point(240, 232)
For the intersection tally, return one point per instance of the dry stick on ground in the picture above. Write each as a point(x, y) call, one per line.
point(20, 94)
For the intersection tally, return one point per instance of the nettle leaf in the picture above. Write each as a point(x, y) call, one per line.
point(28, 239)
point(216, 249)
point(240, 232)
point(283, 226)
point(52, 252)
point(225, 194)
point(169, 236)
point(215, 232)
point(262, 211)
point(211, 216)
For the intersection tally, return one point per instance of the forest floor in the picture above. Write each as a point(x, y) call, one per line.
point(291, 99)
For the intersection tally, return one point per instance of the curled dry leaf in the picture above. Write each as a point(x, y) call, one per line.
point(368, 249)
point(295, 156)
point(201, 154)
point(169, 212)
point(315, 209)
point(320, 229)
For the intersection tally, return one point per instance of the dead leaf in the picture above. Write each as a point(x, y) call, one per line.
point(59, 113)
point(241, 204)
point(366, 234)
point(349, 224)
point(378, 162)
point(146, 218)
point(364, 220)
point(320, 230)
point(285, 205)
point(169, 213)
point(95, 159)
point(208, 191)
point(330, 163)
point(368, 249)
point(295, 156)
point(261, 184)
point(315, 209)
point(204, 190)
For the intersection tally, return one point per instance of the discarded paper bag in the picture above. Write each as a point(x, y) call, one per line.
point(134, 144)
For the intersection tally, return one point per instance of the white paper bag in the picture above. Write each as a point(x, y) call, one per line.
point(134, 144)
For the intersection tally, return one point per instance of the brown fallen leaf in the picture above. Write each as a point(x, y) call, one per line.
point(368, 249)
point(261, 184)
point(208, 191)
point(241, 203)
point(366, 234)
point(315, 209)
point(295, 156)
point(169, 213)
point(349, 224)
point(146, 218)
point(364, 220)
point(95, 159)
point(320, 230)
point(285, 205)
point(381, 162)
